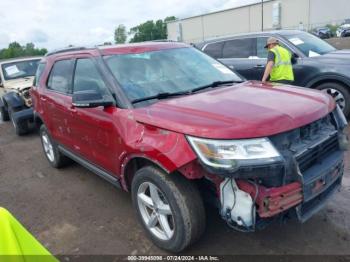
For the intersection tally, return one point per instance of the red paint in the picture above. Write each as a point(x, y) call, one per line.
point(245, 110)
point(111, 137)
point(272, 201)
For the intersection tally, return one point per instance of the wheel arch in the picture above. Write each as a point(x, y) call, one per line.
point(13, 100)
point(134, 163)
point(38, 121)
point(329, 79)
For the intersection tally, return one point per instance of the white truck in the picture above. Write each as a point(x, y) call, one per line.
point(16, 78)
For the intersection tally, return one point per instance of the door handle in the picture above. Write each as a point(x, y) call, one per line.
point(259, 66)
point(42, 98)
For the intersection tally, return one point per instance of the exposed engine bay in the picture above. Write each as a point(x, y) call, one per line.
point(25, 94)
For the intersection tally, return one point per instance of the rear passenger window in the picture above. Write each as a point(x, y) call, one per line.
point(240, 48)
point(60, 76)
point(87, 77)
point(214, 50)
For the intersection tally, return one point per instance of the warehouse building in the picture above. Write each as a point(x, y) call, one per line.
point(277, 14)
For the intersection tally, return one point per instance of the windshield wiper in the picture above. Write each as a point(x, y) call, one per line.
point(189, 92)
point(160, 96)
point(213, 84)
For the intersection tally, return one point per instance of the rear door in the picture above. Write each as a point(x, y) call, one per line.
point(56, 100)
point(239, 54)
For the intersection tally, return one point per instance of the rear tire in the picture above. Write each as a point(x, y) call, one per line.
point(176, 208)
point(4, 115)
point(51, 151)
point(340, 93)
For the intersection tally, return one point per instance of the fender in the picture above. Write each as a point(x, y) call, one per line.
point(13, 100)
point(328, 77)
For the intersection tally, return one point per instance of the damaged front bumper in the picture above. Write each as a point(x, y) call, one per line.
point(312, 172)
point(252, 201)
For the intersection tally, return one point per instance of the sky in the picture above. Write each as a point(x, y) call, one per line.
point(58, 23)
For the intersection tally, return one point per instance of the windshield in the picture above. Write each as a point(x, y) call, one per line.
point(19, 69)
point(166, 71)
point(309, 44)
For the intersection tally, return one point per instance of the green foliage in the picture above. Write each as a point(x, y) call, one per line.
point(16, 50)
point(333, 28)
point(150, 30)
point(120, 34)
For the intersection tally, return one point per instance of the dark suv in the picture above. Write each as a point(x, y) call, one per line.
point(177, 128)
point(317, 64)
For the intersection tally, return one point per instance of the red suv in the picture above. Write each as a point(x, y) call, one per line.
point(177, 129)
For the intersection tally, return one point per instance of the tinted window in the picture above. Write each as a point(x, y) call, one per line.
point(60, 76)
point(39, 73)
point(87, 77)
point(239, 48)
point(261, 51)
point(214, 50)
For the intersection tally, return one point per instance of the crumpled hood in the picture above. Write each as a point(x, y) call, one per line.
point(20, 83)
point(245, 110)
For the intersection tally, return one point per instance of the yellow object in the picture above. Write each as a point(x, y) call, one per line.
point(282, 69)
point(17, 244)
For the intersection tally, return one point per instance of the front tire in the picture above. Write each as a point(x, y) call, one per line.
point(169, 208)
point(52, 153)
point(21, 128)
point(340, 93)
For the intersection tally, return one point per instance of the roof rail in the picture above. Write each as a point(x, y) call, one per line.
point(66, 49)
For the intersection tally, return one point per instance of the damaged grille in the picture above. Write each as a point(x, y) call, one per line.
point(315, 154)
point(307, 145)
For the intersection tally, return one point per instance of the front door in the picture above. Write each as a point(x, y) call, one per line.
point(93, 129)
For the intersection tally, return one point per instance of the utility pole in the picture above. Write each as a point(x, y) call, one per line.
point(262, 15)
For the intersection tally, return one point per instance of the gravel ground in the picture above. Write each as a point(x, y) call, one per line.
point(72, 211)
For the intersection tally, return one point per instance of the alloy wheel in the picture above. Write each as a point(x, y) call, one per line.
point(338, 97)
point(48, 148)
point(155, 211)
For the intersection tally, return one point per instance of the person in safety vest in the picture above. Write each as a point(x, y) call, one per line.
point(279, 64)
point(17, 244)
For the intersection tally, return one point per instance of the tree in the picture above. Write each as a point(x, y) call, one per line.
point(150, 30)
point(120, 34)
point(16, 50)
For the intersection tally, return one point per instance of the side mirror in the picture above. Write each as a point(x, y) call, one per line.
point(90, 98)
point(294, 58)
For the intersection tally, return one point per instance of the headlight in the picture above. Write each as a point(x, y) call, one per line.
point(230, 154)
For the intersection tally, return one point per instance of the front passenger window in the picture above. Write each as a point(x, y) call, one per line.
point(87, 77)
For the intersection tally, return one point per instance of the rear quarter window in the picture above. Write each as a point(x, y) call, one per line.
point(60, 78)
point(214, 49)
point(39, 73)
